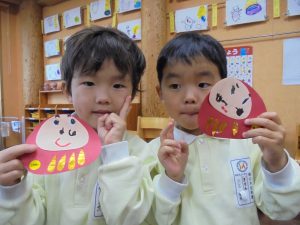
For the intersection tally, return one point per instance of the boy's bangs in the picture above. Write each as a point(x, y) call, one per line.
point(93, 56)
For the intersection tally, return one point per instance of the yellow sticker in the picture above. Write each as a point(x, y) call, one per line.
point(81, 158)
point(35, 164)
point(114, 20)
point(71, 164)
point(276, 8)
point(61, 163)
point(214, 12)
point(52, 164)
point(88, 20)
point(172, 21)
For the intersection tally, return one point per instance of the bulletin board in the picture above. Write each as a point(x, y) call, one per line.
point(266, 39)
point(64, 33)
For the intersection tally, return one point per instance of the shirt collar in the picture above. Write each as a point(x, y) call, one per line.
point(184, 136)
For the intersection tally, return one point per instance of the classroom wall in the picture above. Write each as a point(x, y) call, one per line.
point(265, 37)
point(11, 67)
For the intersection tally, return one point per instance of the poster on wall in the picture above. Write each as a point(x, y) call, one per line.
point(52, 48)
point(245, 11)
point(291, 69)
point(132, 28)
point(240, 63)
point(190, 19)
point(293, 7)
point(51, 24)
point(129, 5)
point(53, 71)
point(72, 17)
point(100, 9)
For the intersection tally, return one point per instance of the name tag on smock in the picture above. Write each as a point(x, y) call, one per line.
point(243, 182)
point(97, 212)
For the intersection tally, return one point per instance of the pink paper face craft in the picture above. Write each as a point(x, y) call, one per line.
point(64, 143)
point(225, 108)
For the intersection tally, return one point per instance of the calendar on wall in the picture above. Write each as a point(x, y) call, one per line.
point(240, 63)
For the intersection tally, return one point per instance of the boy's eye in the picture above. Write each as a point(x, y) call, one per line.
point(118, 85)
point(203, 85)
point(174, 86)
point(88, 83)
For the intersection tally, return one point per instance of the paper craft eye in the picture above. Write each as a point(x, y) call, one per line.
point(219, 97)
point(72, 121)
point(61, 131)
point(237, 85)
point(56, 122)
point(72, 133)
point(232, 89)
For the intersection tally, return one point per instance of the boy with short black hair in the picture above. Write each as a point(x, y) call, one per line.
point(198, 183)
point(102, 68)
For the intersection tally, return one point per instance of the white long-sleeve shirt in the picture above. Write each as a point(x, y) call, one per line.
point(115, 189)
point(224, 184)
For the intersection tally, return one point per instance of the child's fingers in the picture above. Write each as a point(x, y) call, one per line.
point(125, 108)
point(16, 151)
point(167, 133)
point(11, 178)
point(271, 116)
point(11, 165)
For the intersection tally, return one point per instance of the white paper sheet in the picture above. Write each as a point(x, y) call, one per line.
point(291, 68)
point(72, 17)
point(245, 11)
point(51, 24)
point(191, 19)
point(53, 71)
point(293, 7)
point(100, 9)
point(128, 5)
point(132, 28)
point(52, 48)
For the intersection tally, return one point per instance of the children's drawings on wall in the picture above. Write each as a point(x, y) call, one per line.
point(53, 71)
point(72, 17)
point(132, 28)
point(240, 63)
point(191, 19)
point(129, 5)
point(245, 11)
point(52, 48)
point(293, 7)
point(51, 24)
point(100, 9)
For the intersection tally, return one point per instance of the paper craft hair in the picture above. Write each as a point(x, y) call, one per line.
point(64, 143)
point(225, 108)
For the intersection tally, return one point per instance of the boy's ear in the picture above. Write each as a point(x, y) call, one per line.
point(158, 91)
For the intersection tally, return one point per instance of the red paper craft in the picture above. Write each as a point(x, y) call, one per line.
point(64, 143)
point(225, 108)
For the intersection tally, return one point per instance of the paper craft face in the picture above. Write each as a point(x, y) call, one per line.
point(225, 108)
point(64, 143)
point(231, 98)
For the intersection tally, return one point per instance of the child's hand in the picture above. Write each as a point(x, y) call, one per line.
point(111, 127)
point(11, 168)
point(172, 154)
point(270, 136)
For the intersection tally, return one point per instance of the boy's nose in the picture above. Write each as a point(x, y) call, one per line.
point(102, 97)
point(190, 96)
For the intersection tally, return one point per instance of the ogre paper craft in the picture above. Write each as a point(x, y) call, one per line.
point(226, 107)
point(64, 143)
